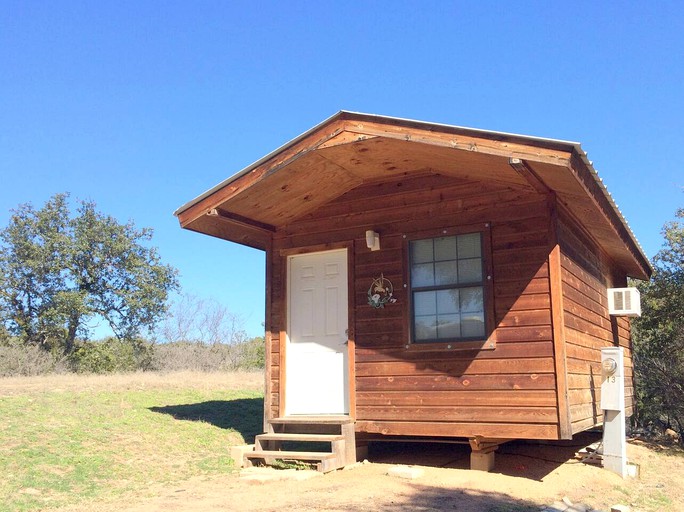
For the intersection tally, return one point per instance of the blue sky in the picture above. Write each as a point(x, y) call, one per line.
point(143, 105)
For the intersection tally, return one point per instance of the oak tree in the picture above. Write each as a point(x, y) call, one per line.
point(61, 272)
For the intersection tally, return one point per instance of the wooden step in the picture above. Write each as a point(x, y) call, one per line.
point(325, 461)
point(285, 455)
point(316, 420)
point(337, 430)
point(320, 438)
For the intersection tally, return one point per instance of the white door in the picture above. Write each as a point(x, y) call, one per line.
point(316, 357)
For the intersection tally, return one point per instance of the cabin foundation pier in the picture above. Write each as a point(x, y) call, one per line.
point(482, 454)
point(361, 450)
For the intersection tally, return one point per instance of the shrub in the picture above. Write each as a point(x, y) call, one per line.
point(182, 355)
point(112, 355)
point(29, 360)
point(251, 354)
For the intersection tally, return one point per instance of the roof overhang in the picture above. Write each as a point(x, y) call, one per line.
point(350, 149)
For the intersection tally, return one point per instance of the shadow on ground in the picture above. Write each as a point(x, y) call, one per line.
point(425, 498)
point(243, 415)
point(414, 498)
point(659, 445)
point(525, 459)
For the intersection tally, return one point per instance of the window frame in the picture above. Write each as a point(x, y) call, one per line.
point(480, 342)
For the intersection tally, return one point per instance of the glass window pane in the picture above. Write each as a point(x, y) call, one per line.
point(422, 275)
point(421, 251)
point(472, 325)
point(445, 248)
point(449, 326)
point(447, 301)
point(426, 328)
point(469, 246)
point(472, 300)
point(456, 311)
point(470, 271)
point(424, 303)
point(446, 272)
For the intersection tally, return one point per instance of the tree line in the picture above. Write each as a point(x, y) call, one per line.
point(63, 272)
point(658, 337)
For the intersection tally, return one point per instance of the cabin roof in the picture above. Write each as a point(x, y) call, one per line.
point(350, 149)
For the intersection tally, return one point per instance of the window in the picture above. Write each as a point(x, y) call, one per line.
point(447, 278)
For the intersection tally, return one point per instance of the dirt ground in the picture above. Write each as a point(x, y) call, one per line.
point(526, 477)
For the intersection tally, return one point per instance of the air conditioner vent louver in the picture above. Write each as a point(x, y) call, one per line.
point(624, 302)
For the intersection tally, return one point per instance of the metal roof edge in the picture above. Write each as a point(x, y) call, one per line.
point(608, 196)
point(490, 134)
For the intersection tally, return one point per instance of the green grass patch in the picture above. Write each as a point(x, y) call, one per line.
point(66, 447)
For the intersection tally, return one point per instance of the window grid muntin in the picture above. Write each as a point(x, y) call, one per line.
point(444, 331)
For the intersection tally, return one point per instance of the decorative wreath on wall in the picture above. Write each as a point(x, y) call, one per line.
point(381, 292)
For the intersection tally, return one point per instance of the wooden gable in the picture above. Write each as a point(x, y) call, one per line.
point(350, 150)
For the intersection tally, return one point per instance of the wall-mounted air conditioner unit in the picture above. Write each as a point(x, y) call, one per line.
point(624, 302)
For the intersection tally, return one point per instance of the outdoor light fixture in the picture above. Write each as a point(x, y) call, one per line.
point(372, 240)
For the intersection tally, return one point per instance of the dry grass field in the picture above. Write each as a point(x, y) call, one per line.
point(131, 381)
point(160, 442)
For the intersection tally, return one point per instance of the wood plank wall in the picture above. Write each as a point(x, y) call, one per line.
point(507, 392)
point(586, 274)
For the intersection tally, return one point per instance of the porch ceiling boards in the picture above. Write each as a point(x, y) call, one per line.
point(351, 149)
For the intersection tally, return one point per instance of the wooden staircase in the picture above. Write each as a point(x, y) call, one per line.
point(308, 433)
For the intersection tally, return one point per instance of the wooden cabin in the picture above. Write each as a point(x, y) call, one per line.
point(428, 280)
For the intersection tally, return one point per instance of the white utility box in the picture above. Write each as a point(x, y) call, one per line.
point(613, 405)
point(612, 379)
point(624, 302)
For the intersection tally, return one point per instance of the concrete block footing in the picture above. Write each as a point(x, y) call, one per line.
point(407, 472)
point(237, 453)
point(361, 452)
point(482, 461)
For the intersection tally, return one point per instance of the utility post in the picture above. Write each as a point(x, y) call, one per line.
point(613, 405)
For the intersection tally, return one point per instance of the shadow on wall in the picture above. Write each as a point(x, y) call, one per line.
point(523, 459)
point(243, 415)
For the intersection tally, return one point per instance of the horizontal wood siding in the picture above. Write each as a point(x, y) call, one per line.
point(586, 275)
point(508, 391)
point(274, 398)
point(276, 310)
